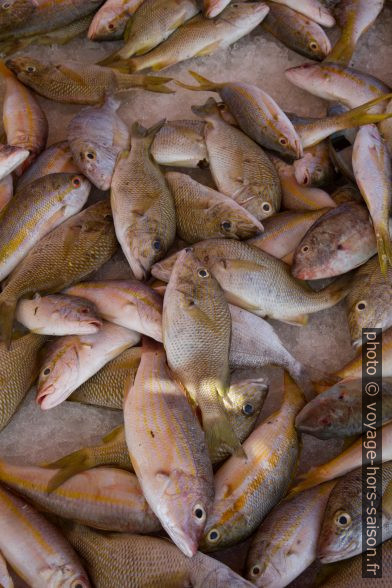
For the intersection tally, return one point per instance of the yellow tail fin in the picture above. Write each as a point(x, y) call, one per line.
point(205, 85)
point(360, 115)
point(69, 466)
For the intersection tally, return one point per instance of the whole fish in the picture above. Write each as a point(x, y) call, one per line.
point(247, 488)
point(35, 211)
point(35, 549)
point(201, 36)
point(168, 451)
point(103, 498)
point(106, 387)
point(354, 17)
point(119, 559)
point(180, 143)
point(373, 173)
point(18, 370)
point(127, 303)
point(74, 82)
point(283, 232)
point(313, 9)
point(337, 412)
point(96, 136)
point(203, 213)
point(71, 360)
point(341, 531)
point(296, 31)
point(55, 159)
point(25, 123)
point(239, 166)
point(5, 579)
point(256, 113)
point(337, 242)
point(10, 158)
point(143, 208)
point(196, 335)
point(58, 315)
point(64, 256)
point(110, 20)
point(211, 8)
point(6, 191)
point(13, 13)
point(315, 167)
point(285, 543)
point(369, 300)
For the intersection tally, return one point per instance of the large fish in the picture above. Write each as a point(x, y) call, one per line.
point(180, 143)
point(111, 19)
point(55, 159)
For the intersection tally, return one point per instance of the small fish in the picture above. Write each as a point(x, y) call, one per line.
point(96, 136)
point(239, 166)
point(55, 159)
point(13, 13)
point(71, 360)
point(315, 167)
point(127, 303)
point(203, 213)
point(180, 143)
point(257, 114)
point(11, 157)
point(34, 548)
point(354, 17)
point(196, 332)
point(373, 173)
point(369, 300)
point(5, 578)
point(35, 211)
point(211, 8)
point(313, 9)
point(64, 256)
point(296, 31)
point(285, 543)
point(58, 315)
point(247, 488)
point(6, 191)
point(201, 36)
point(337, 412)
point(340, 240)
point(168, 451)
point(111, 19)
point(153, 561)
point(103, 498)
point(74, 82)
point(143, 208)
point(341, 531)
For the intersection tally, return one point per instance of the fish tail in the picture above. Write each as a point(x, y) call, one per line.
point(7, 314)
point(220, 434)
point(342, 51)
point(360, 115)
point(140, 132)
point(311, 478)
point(151, 83)
point(384, 249)
point(205, 85)
point(208, 108)
point(69, 466)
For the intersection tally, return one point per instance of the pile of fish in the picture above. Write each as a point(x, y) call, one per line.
point(288, 200)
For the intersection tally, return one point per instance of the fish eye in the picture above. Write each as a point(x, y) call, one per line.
point(76, 182)
point(313, 46)
point(157, 244)
point(213, 536)
point(343, 519)
point(110, 26)
point(226, 225)
point(188, 249)
point(199, 512)
point(255, 571)
point(90, 155)
point(283, 141)
point(30, 69)
point(266, 207)
point(6, 5)
point(248, 409)
point(46, 372)
point(305, 248)
point(361, 305)
point(203, 273)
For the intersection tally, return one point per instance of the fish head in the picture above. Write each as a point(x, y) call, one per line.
point(147, 245)
point(315, 255)
point(77, 313)
point(232, 222)
point(318, 45)
point(266, 566)
point(162, 269)
point(244, 402)
point(68, 575)
point(307, 76)
point(107, 25)
point(73, 189)
point(308, 171)
point(223, 577)
point(14, 12)
point(30, 71)
point(96, 162)
point(363, 310)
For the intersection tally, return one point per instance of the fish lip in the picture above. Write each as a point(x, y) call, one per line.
point(43, 393)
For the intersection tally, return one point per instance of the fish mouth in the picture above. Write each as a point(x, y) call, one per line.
point(332, 556)
point(184, 542)
point(43, 394)
point(138, 269)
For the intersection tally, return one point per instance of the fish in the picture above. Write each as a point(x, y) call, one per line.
point(200, 36)
point(315, 167)
point(369, 300)
point(283, 232)
point(35, 211)
point(96, 136)
point(142, 204)
point(196, 326)
point(285, 543)
point(341, 155)
point(354, 17)
point(211, 8)
point(239, 166)
point(168, 450)
point(5, 578)
point(386, 126)
point(59, 315)
point(296, 31)
point(6, 191)
point(131, 560)
point(71, 360)
point(313, 9)
point(247, 489)
point(18, 370)
point(338, 83)
point(127, 303)
point(153, 23)
point(106, 387)
point(65, 256)
point(336, 413)
point(103, 498)
point(203, 213)
point(256, 112)
point(55, 159)
point(111, 19)
point(373, 173)
point(35, 548)
point(73, 82)
point(341, 532)
point(13, 13)
point(340, 240)
point(180, 143)
point(25, 123)
point(11, 157)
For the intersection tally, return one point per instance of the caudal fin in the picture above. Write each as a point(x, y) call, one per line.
point(342, 51)
point(205, 85)
point(69, 466)
point(7, 314)
point(360, 116)
point(220, 435)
